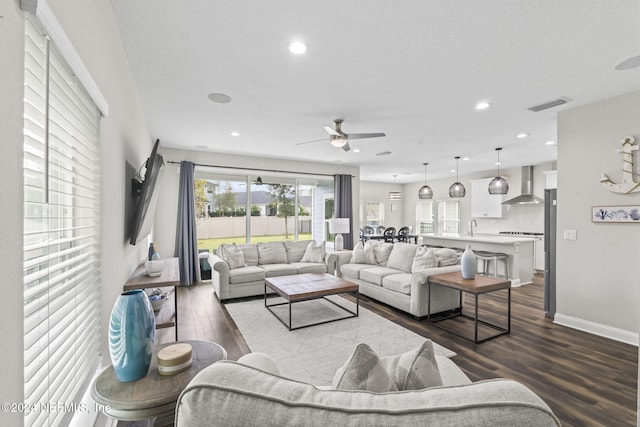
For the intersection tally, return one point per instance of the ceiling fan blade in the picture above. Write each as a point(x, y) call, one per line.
point(364, 135)
point(346, 147)
point(308, 142)
point(331, 131)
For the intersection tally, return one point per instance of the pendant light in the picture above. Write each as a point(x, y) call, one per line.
point(395, 195)
point(457, 189)
point(498, 185)
point(425, 191)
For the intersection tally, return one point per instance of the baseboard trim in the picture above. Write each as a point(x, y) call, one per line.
point(597, 329)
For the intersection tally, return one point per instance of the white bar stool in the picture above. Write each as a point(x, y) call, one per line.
point(487, 258)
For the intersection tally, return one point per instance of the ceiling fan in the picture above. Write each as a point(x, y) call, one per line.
point(340, 139)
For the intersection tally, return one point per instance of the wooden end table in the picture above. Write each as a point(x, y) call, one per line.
point(477, 286)
point(154, 396)
point(304, 287)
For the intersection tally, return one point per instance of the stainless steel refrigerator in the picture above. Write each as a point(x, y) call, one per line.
point(550, 209)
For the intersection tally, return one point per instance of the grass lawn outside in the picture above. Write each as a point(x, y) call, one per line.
point(213, 244)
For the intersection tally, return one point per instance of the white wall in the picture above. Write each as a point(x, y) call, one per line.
point(378, 192)
point(11, 108)
point(92, 29)
point(167, 210)
point(598, 274)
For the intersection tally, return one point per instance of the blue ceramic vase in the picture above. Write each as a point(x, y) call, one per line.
point(132, 331)
point(468, 263)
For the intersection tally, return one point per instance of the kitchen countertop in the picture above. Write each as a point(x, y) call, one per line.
point(478, 237)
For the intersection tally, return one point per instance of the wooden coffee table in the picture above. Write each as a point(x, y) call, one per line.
point(305, 287)
point(478, 285)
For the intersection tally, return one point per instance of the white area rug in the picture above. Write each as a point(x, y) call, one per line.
point(314, 354)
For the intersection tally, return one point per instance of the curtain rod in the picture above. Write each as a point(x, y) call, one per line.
point(260, 170)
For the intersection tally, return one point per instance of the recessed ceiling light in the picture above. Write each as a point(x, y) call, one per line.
point(297, 47)
point(482, 105)
point(452, 171)
point(465, 158)
point(235, 133)
point(550, 142)
point(628, 64)
point(522, 135)
point(356, 150)
point(220, 98)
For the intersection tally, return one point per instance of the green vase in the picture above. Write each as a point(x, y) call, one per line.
point(132, 330)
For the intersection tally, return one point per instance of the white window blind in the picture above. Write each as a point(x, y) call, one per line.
point(448, 216)
point(61, 232)
point(424, 216)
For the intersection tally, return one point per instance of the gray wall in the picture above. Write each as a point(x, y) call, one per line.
point(598, 274)
point(167, 209)
point(92, 29)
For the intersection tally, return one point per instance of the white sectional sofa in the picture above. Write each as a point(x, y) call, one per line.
point(393, 274)
point(231, 279)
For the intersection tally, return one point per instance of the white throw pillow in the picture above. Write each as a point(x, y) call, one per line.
point(414, 370)
point(425, 258)
point(232, 255)
point(363, 254)
point(314, 253)
point(363, 371)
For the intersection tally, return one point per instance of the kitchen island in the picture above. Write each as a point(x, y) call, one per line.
point(519, 250)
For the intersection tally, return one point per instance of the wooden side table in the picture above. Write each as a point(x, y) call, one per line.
point(478, 285)
point(154, 396)
point(170, 277)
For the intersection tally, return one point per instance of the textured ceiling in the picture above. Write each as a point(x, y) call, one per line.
point(413, 69)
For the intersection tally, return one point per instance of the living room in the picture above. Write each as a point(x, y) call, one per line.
point(597, 278)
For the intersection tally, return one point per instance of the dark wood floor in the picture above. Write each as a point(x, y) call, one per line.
point(585, 379)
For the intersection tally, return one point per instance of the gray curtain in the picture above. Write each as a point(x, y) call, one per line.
point(344, 204)
point(186, 240)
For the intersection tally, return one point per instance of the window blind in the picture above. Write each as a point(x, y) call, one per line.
point(61, 233)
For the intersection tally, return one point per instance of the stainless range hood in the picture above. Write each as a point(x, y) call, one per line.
point(526, 196)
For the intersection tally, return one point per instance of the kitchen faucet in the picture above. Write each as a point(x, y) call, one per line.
point(471, 224)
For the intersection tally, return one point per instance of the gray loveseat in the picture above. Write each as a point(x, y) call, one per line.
point(250, 393)
point(393, 274)
point(263, 260)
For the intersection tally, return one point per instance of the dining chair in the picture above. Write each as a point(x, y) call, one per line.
point(389, 234)
point(403, 234)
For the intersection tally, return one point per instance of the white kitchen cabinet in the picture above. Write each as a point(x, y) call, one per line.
point(483, 204)
point(539, 254)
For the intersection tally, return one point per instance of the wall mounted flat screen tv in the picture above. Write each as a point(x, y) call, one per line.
point(147, 196)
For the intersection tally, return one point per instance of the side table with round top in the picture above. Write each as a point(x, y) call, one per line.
point(155, 395)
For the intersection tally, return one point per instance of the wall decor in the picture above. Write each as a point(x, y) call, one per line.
point(615, 214)
point(628, 184)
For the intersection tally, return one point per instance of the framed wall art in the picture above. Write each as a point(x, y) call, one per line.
point(615, 214)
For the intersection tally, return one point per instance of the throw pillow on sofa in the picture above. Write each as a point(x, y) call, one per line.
point(363, 254)
point(232, 255)
point(425, 258)
point(414, 370)
point(363, 371)
point(446, 257)
point(314, 253)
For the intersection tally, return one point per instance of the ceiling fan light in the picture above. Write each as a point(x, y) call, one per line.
point(338, 141)
point(498, 185)
point(425, 192)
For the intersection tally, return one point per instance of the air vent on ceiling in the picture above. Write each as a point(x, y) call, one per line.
point(550, 104)
point(384, 153)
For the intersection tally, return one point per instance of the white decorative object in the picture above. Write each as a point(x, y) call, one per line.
point(468, 263)
point(628, 185)
point(154, 268)
point(338, 226)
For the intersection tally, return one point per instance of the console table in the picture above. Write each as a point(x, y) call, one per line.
point(170, 277)
point(153, 396)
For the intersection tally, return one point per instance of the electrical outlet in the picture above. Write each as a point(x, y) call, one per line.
point(570, 235)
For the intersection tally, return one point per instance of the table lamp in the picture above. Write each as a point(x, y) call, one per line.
point(338, 226)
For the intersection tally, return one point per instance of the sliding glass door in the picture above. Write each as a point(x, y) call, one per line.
point(260, 208)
